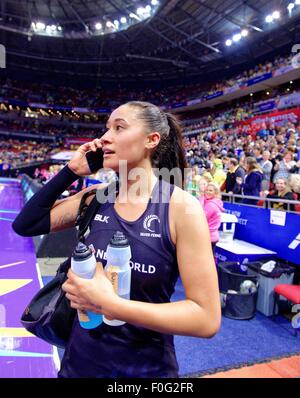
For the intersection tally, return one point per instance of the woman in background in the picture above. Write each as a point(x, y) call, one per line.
point(213, 208)
point(252, 184)
point(282, 191)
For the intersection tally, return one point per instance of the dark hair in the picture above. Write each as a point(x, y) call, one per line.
point(233, 161)
point(170, 152)
point(252, 164)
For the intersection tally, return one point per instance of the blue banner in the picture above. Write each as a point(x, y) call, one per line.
point(178, 104)
point(214, 95)
point(265, 106)
point(288, 101)
point(103, 110)
point(258, 79)
point(268, 229)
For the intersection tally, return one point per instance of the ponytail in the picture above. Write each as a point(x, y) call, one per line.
point(169, 153)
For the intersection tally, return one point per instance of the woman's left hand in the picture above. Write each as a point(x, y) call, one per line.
point(96, 294)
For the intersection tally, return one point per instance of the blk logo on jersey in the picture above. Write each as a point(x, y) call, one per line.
point(101, 218)
point(149, 225)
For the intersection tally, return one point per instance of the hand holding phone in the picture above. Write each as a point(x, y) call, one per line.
point(87, 159)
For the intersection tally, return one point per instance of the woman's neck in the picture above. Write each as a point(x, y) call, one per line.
point(136, 185)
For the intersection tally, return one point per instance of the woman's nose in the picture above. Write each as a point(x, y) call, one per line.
point(105, 137)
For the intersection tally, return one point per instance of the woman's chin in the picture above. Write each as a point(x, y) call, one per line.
point(110, 164)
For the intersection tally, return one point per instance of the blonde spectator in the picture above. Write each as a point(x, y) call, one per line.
point(294, 183)
point(282, 191)
point(203, 183)
point(213, 208)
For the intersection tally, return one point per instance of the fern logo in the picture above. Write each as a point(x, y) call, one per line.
point(148, 221)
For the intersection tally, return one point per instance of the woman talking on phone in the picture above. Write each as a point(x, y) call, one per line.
point(143, 136)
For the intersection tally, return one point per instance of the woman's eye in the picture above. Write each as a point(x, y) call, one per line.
point(119, 127)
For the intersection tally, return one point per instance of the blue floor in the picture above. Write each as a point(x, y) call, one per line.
point(238, 343)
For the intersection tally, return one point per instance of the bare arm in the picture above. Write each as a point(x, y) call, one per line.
point(199, 314)
point(64, 212)
point(43, 212)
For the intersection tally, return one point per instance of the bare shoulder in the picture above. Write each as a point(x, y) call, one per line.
point(183, 201)
point(184, 210)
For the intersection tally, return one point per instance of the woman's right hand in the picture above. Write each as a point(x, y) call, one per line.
point(78, 163)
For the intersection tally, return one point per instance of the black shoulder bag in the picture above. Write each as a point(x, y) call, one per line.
point(49, 315)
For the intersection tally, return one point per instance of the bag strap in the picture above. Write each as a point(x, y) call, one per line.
point(86, 212)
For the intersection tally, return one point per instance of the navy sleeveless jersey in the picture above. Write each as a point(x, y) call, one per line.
point(127, 350)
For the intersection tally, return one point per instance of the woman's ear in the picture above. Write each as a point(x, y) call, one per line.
point(152, 140)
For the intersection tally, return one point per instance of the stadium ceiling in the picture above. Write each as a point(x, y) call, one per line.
point(180, 38)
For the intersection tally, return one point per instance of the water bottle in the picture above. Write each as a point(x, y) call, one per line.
point(118, 270)
point(83, 264)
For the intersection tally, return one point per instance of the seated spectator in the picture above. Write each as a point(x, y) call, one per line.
point(213, 208)
point(282, 191)
point(294, 183)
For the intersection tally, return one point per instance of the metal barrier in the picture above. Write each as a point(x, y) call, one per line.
point(238, 199)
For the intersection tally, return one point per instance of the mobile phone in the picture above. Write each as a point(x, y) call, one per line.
point(95, 160)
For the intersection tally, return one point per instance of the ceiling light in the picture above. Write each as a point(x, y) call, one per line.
point(40, 26)
point(116, 23)
point(290, 7)
point(237, 37)
point(297, 2)
point(244, 32)
point(109, 24)
point(98, 26)
point(228, 42)
point(140, 11)
point(53, 27)
point(276, 15)
point(269, 18)
point(154, 2)
point(123, 20)
point(148, 8)
point(132, 15)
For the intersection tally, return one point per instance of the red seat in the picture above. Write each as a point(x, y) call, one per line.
point(290, 292)
point(297, 208)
